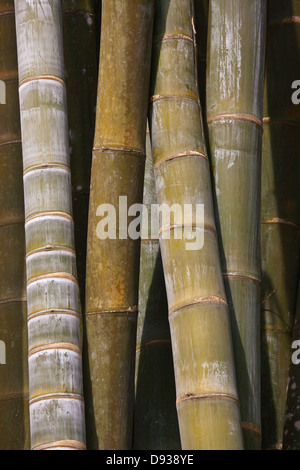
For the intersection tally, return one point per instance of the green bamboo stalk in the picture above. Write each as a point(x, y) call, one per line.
point(55, 370)
point(155, 417)
point(113, 264)
point(235, 81)
point(280, 213)
point(291, 434)
point(80, 59)
point(207, 401)
point(14, 416)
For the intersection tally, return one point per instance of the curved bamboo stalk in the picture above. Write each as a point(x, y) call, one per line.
point(155, 417)
point(55, 370)
point(14, 422)
point(235, 81)
point(280, 213)
point(207, 401)
point(113, 264)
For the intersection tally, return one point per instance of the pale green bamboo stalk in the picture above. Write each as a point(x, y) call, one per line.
point(207, 401)
point(280, 216)
point(155, 417)
point(235, 82)
point(113, 264)
point(14, 416)
point(54, 358)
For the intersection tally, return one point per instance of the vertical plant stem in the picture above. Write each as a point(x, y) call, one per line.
point(55, 363)
point(235, 80)
point(81, 83)
point(155, 417)
point(280, 213)
point(14, 422)
point(113, 263)
point(207, 401)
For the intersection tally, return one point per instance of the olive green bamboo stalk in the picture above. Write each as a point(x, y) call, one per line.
point(280, 213)
point(155, 417)
point(235, 82)
point(14, 416)
point(81, 67)
point(207, 401)
point(113, 264)
point(55, 370)
point(291, 434)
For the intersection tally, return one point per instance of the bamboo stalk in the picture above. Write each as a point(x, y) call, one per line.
point(201, 25)
point(291, 432)
point(207, 401)
point(235, 80)
point(14, 416)
point(81, 83)
point(113, 264)
point(280, 213)
point(155, 417)
point(54, 358)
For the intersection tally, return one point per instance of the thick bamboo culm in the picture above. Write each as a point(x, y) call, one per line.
point(113, 264)
point(280, 213)
point(235, 82)
point(55, 364)
point(207, 401)
point(155, 416)
point(14, 416)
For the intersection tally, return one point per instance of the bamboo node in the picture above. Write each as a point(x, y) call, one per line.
point(50, 346)
point(72, 444)
point(203, 396)
point(201, 300)
point(133, 309)
point(188, 153)
point(251, 427)
point(41, 77)
point(240, 116)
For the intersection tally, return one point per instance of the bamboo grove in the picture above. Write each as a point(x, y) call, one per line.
point(121, 328)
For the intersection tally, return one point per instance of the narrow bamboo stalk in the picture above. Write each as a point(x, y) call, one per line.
point(201, 25)
point(291, 434)
point(14, 416)
point(113, 264)
point(280, 213)
point(54, 358)
point(81, 82)
point(207, 401)
point(235, 81)
point(155, 417)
